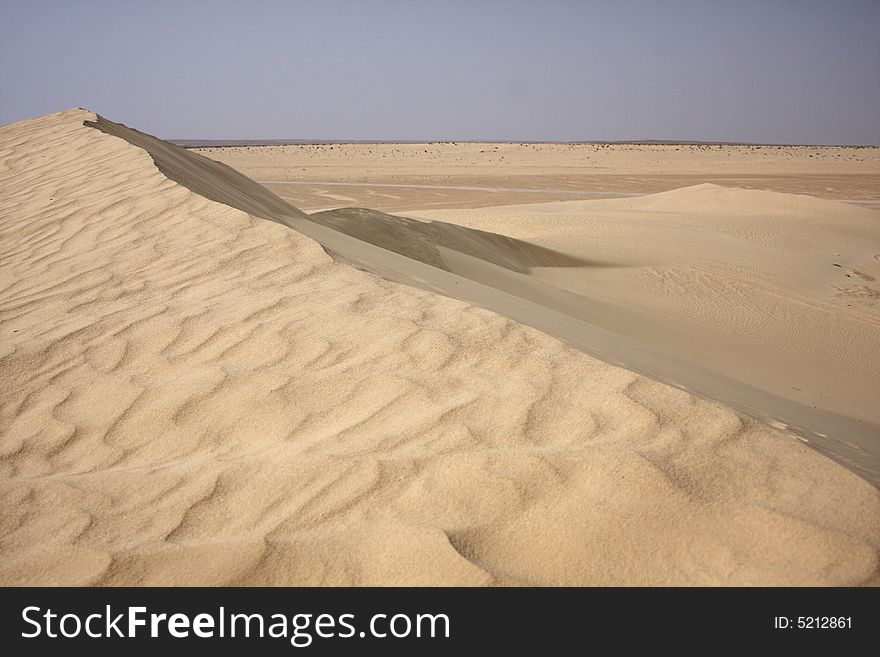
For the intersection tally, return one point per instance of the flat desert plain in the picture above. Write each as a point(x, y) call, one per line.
point(393, 177)
point(551, 365)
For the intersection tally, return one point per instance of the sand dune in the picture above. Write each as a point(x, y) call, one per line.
point(192, 394)
point(733, 280)
point(766, 301)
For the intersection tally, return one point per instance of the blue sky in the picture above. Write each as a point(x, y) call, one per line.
point(797, 71)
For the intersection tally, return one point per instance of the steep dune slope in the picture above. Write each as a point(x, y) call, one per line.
point(194, 395)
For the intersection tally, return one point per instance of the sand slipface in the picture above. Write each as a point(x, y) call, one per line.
point(192, 395)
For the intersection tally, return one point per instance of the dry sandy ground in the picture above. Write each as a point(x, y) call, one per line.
point(767, 301)
point(470, 175)
point(193, 395)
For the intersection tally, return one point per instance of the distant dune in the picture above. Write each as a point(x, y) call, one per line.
point(194, 395)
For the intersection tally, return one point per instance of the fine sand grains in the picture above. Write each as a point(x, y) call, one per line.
point(189, 395)
point(767, 302)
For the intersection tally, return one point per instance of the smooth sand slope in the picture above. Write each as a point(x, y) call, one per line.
point(769, 302)
point(194, 395)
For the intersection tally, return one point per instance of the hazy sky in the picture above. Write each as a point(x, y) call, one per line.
point(796, 71)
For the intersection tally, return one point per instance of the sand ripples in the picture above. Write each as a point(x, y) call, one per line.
point(192, 395)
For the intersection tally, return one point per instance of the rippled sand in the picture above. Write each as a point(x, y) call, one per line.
point(192, 395)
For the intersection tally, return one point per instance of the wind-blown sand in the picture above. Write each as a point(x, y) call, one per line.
point(766, 301)
point(195, 395)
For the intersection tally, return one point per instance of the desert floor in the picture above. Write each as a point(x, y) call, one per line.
point(202, 384)
point(424, 176)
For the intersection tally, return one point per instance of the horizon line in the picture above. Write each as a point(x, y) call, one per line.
point(229, 143)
